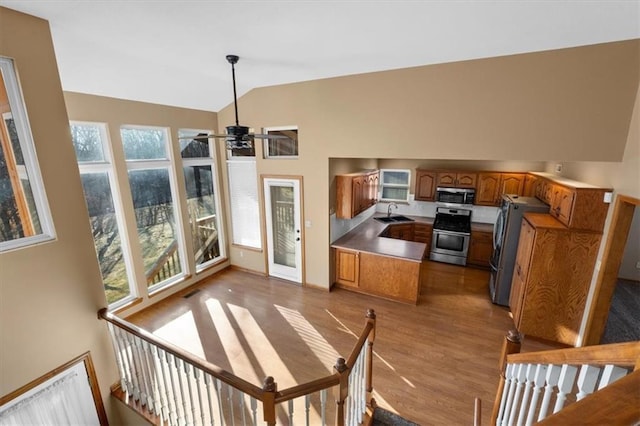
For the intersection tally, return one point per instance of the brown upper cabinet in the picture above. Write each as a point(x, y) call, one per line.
point(356, 192)
point(491, 185)
point(456, 179)
point(425, 185)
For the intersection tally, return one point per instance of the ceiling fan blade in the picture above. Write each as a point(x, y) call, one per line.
point(274, 137)
point(201, 137)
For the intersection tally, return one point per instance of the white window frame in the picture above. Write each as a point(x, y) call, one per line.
point(395, 185)
point(211, 161)
point(168, 164)
point(106, 166)
point(265, 144)
point(23, 128)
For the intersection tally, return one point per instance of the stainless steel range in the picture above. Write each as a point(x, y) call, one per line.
point(451, 235)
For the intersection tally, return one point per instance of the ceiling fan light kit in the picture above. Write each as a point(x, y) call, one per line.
point(237, 137)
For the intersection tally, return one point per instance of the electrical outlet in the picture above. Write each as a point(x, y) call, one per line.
point(638, 264)
point(559, 168)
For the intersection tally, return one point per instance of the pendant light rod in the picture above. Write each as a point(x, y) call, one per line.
point(233, 59)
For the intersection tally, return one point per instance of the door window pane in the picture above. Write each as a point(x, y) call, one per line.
point(155, 220)
point(283, 224)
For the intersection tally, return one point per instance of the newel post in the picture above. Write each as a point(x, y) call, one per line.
point(269, 388)
point(371, 317)
point(511, 345)
point(343, 391)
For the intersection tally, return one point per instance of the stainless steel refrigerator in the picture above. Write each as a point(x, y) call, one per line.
point(506, 234)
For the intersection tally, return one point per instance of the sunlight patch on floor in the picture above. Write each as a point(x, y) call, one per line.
point(311, 337)
point(183, 333)
point(236, 354)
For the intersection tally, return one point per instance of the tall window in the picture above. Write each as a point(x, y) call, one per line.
point(394, 184)
point(243, 193)
point(199, 168)
point(24, 213)
point(94, 161)
point(147, 154)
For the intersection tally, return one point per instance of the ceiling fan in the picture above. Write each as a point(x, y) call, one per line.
point(237, 137)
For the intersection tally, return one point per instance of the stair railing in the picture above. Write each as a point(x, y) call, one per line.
point(536, 386)
point(169, 386)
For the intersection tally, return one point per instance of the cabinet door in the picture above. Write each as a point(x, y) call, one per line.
point(562, 204)
point(425, 185)
point(488, 188)
point(358, 200)
point(530, 185)
point(521, 270)
point(374, 181)
point(512, 183)
point(466, 180)
point(480, 249)
point(400, 232)
point(347, 267)
point(446, 179)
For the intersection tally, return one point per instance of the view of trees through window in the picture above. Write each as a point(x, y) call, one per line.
point(97, 176)
point(154, 196)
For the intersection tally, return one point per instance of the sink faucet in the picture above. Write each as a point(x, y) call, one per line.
point(389, 208)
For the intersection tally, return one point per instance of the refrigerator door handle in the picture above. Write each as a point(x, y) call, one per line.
point(497, 229)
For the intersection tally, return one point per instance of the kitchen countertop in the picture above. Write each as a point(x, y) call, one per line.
point(366, 237)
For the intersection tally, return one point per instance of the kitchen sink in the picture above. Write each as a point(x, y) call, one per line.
point(393, 219)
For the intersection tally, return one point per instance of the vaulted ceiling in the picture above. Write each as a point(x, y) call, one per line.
point(173, 52)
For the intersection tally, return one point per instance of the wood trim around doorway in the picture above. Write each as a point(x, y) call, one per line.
point(623, 211)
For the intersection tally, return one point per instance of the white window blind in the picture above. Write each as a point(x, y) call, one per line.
point(245, 210)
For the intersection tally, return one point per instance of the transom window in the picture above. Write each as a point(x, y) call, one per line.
point(281, 148)
point(394, 184)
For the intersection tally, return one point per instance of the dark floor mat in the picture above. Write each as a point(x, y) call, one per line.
point(623, 323)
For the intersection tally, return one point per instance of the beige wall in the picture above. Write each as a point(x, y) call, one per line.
point(50, 293)
point(571, 105)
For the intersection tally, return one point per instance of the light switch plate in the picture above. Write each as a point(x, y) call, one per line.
point(608, 196)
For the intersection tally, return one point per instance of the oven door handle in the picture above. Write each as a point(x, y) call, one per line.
point(455, 233)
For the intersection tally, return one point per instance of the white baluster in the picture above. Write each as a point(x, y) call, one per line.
point(207, 384)
point(521, 375)
point(290, 404)
point(193, 403)
point(323, 406)
point(203, 413)
point(587, 380)
point(183, 394)
point(138, 384)
point(149, 376)
point(158, 355)
point(553, 373)
point(565, 384)
point(230, 401)
point(121, 355)
point(175, 398)
point(529, 375)
point(538, 383)
point(219, 392)
point(254, 410)
point(147, 399)
point(307, 406)
point(510, 388)
point(244, 420)
point(610, 374)
point(503, 397)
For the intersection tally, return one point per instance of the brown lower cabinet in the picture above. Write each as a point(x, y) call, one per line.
point(383, 276)
point(551, 278)
point(480, 249)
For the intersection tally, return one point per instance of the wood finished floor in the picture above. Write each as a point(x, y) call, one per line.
point(431, 360)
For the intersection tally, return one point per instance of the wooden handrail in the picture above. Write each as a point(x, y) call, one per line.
point(204, 365)
point(268, 394)
point(621, 354)
point(616, 404)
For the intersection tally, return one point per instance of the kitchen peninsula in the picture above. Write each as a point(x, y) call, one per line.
point(368, 262)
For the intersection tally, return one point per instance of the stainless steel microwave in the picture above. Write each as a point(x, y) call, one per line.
point(455, 195)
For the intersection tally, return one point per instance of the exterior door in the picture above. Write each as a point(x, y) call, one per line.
point(283, 225)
